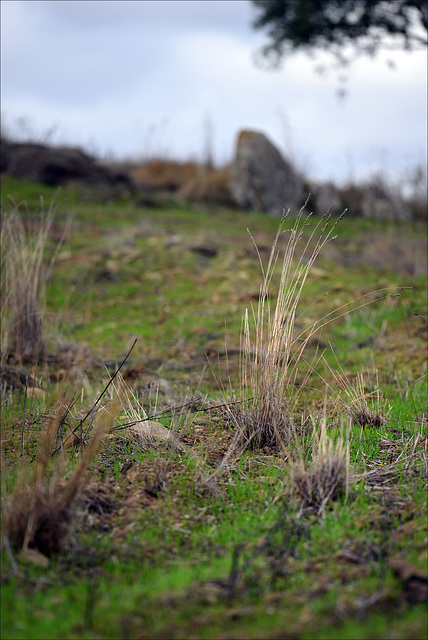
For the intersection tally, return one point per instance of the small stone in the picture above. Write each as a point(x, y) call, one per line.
point(36, 392)
point(32, 556)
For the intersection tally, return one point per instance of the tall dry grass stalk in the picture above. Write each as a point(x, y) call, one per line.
point(271, 345)
point(23, 282)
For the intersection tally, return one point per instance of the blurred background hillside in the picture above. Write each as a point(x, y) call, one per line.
point(164, 88)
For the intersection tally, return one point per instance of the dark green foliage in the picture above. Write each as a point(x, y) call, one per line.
point(366, 25)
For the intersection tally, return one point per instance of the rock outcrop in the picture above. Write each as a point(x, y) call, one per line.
point(261, 179)
point(56, 165)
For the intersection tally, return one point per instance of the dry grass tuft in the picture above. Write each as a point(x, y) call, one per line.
point(326, 478)
point(23, 283)
point(273, 348)
point(365, 407)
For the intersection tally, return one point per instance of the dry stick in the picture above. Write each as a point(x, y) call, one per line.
point(171, 412)
point(104, 391)
point(74, 400)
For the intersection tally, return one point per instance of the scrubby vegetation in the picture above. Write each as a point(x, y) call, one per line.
point(224, 434)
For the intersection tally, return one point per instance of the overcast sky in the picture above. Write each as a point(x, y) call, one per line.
point(138, 79)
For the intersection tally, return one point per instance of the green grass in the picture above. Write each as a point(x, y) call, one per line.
point(236, 558)
point(159, 595)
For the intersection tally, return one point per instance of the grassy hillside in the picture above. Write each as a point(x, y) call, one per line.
point(265, 480)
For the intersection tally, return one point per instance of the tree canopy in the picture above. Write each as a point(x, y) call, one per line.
point(362, 27)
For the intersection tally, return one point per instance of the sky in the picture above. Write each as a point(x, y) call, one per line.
point(136, 80)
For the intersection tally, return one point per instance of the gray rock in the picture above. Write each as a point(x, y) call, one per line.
point(261, 179)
